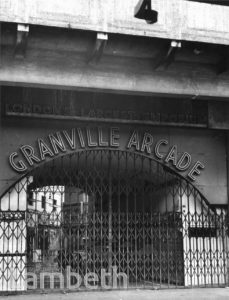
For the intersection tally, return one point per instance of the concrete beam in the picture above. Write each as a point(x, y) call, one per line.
point(112, 74)
point(57, 59)
point(70, 41)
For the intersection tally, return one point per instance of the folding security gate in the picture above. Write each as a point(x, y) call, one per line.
point(120, 215)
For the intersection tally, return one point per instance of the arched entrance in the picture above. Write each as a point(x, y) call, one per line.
point(122, 216)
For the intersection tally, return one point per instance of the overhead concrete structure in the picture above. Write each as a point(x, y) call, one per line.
point(196, 68)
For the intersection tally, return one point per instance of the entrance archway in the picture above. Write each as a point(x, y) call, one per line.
point(116, 211)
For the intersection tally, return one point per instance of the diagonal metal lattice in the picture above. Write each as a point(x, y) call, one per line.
point(106, 209)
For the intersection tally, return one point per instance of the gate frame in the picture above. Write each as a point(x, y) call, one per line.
point(165, 166)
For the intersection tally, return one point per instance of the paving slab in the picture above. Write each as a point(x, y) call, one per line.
point(189, 294)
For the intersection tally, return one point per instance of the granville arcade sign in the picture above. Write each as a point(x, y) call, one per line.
point(80, 138)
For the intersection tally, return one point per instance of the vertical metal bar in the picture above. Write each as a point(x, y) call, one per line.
point(143, 218)
point(151, 222)
point(156, 230)
point(109, 216)
point(4, 268)
point(18, 197)
point(78, 237)
point(126, 243)
point(152, 246)
point(186, 228)
point(61, 228)
point(159, 235)
point(210, 243)
point(167, 230)
point(197, 221)
point(135, 222)
point(176, 249)
point(85, 216)
point(223, 247)
point(227, 216)
point(204, 246)
point(173, 234)
point(94, 175)
point(101, 210)
point(9, 201)
point(217, 221)
point(6, 249)
point(119, 219)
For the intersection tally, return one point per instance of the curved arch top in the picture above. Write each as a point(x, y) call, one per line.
point(59, 169)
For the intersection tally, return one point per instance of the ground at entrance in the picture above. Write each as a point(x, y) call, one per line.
point(187, 294)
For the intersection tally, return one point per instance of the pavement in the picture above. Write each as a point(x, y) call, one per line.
point(169, 294)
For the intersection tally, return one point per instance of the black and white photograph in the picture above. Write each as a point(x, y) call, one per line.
point(114, 149)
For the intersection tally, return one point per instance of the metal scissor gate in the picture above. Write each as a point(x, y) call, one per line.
point(119, 218)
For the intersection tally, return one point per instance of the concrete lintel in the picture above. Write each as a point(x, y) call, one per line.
point(22, 74)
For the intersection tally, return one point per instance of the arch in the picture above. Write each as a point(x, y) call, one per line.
point(166, 167)
point(91, 209)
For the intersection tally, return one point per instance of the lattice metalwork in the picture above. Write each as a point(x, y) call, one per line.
point(110, 210)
